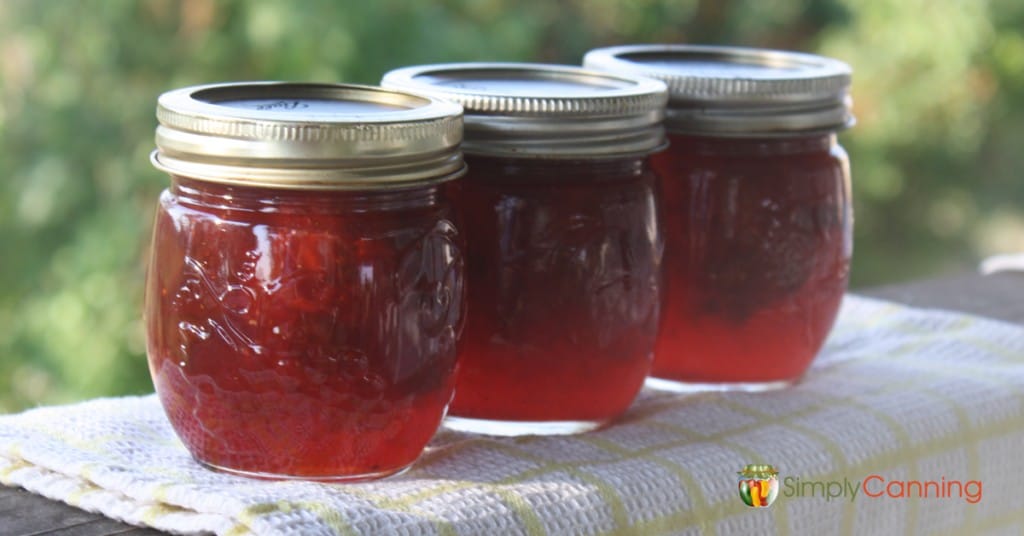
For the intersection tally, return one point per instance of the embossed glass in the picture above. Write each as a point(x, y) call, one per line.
point(563, 259)
point(563, 243)
point(302, 315)
point(758, 218)
point(757, 258)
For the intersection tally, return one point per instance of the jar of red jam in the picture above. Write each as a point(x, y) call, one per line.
point(563, 242)
point(756, 204)
point(305, 289)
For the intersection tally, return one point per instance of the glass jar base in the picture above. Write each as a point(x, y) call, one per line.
point(676, 386)
point(329, 478)
point(520, 428)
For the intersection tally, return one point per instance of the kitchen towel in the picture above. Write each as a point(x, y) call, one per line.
point(910, 421)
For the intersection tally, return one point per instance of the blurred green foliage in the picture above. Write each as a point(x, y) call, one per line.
point(939, 93)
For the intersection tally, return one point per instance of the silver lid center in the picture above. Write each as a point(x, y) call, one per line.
point(545, 111)
point(739, 91)
point(307, 136)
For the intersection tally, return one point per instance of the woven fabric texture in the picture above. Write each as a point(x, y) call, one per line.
point(898, 395)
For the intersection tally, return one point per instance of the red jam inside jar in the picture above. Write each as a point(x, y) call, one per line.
point(563, 260)
point(306, 281)
point(304, 334)
point(758, 242)
point(755, 199)
point(563, 241)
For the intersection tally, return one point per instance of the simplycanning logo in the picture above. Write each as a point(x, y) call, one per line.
point(759, 486)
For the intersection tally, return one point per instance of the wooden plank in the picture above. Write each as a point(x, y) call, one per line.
point(98, 527)
point(26, 514)
point(997, 296)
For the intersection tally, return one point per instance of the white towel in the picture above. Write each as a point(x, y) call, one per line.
point(898, 396)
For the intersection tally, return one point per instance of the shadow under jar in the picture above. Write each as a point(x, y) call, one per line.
point(305, 289)
point(757, 210)
point(563, 242)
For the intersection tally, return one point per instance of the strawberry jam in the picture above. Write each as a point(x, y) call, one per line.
point(304, 334)
point(564, 264)
point(756, 206)
point(306, 282)
point(563, 242)
point(758, 243)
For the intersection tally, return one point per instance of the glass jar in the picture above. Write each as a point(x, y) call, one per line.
point(305, 288)
point(563, 243)
point(757, 210)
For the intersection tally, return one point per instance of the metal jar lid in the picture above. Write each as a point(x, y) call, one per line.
point(307, 136)
point(739, 91)
point(545, 111)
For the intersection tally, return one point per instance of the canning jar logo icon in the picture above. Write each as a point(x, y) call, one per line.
point(759, 485)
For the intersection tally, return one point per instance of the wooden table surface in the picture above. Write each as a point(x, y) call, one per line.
point(996, 296)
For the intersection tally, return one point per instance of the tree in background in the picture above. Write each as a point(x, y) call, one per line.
point(938, 87)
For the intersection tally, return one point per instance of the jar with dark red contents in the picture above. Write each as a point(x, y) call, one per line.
point(563, 242)
point(757, 210)
point(305, 289)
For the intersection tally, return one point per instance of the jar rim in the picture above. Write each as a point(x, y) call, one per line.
point(535, 110)
point(739, 90)
point(307, 135)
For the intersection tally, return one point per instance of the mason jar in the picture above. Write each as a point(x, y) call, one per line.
point(757, 210)
point(563, 242)
point(305, 287)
